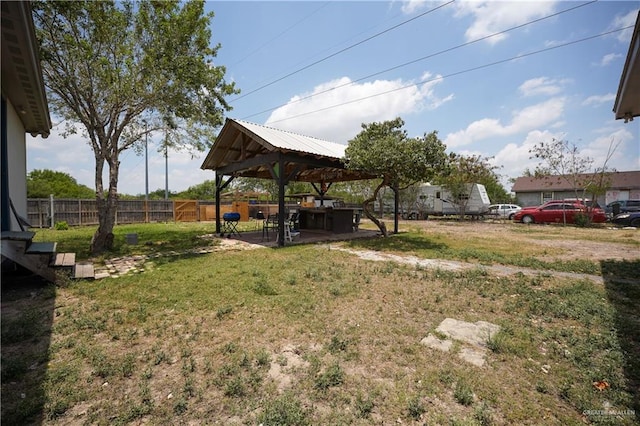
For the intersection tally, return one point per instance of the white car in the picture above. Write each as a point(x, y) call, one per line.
point(504, 211)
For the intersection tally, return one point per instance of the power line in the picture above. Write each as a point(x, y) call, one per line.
point(279, 35)
point(524, 55)
point(330, 48)
point(423, 58)
point(342, 51)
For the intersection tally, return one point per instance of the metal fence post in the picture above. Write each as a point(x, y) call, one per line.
point(51, 210)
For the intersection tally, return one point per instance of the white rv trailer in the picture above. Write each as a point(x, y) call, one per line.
point(436, 200)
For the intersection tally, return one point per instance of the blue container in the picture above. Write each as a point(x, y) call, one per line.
point(231, 217)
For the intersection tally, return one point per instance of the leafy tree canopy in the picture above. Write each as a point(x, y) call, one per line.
point(123, 70)
point(202, 191)
point(42, 183)
point(383, 148)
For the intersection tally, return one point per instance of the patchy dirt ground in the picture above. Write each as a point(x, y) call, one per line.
point(574, 243)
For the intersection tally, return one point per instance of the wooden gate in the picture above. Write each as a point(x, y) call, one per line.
point(185, 210)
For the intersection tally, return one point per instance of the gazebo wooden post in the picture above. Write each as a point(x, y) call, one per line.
point(281, 179)
point(396, 203)
point(220, 185)
point(218, 192)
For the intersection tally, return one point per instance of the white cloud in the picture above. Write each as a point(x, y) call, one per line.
point(514, 158)
point(608, 58)
point(621, 21)
point(599, 99)
point(71, 155)
point(542, 86)
point(75, 157)
point(524, 120)
point(491, 17)
point(410, 6)
point(337, 115)
point(626, 155)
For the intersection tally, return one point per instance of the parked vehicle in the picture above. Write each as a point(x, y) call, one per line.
point(436, 200)
point(504, 211)
point(627, 219)
point(622, 206)
point(559, 211)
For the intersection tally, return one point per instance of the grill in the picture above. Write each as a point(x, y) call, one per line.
point(231, 217)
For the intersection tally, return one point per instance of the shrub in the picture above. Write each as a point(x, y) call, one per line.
point(364, 406)
point(463, 394)
point(333, 376)
point(415, 407)
point(581, 220)
point(62, 226)
point(286, 410)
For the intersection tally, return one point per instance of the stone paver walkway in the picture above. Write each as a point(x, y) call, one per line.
point(452, 265)
point(134, 264)
point(119, 266)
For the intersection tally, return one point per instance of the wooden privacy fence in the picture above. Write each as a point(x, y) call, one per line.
point(45, 213)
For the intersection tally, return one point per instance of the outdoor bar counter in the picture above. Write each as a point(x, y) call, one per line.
point(337, 220)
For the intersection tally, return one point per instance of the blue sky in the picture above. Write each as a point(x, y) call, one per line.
point(461, 68)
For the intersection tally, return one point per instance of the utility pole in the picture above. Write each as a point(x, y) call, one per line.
point(166, 167)
point(146, 174)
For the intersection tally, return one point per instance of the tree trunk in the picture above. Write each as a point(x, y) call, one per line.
point(365, 207)
point(107, 207)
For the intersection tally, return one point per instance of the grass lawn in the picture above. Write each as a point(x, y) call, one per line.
point(311, 335)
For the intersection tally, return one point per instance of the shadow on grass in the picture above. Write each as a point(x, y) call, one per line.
point(622, 284)
point(399, 242)
point(28, 304)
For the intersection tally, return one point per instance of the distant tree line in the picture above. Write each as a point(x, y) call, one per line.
point(42, 183)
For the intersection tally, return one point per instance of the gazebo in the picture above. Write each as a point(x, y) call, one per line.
point(244, 149)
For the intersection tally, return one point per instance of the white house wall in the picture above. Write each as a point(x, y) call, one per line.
point(17, 164)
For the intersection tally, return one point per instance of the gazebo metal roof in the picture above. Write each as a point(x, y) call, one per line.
point(244, 149)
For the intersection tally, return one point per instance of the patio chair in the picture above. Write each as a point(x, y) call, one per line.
point(356, 222)
point(259, 218)
point(289, 233)
point(294, 221)
point(270, 223)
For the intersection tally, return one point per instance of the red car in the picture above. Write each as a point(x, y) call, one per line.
point(559, 212)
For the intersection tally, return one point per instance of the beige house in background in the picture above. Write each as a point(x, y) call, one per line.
point(624, 185)
point(531, 191)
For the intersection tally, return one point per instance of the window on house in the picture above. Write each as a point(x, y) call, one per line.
point(547, 196)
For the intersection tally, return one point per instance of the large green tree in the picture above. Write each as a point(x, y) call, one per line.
point(43, 183)
point(119, 71)
point(385, 149)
